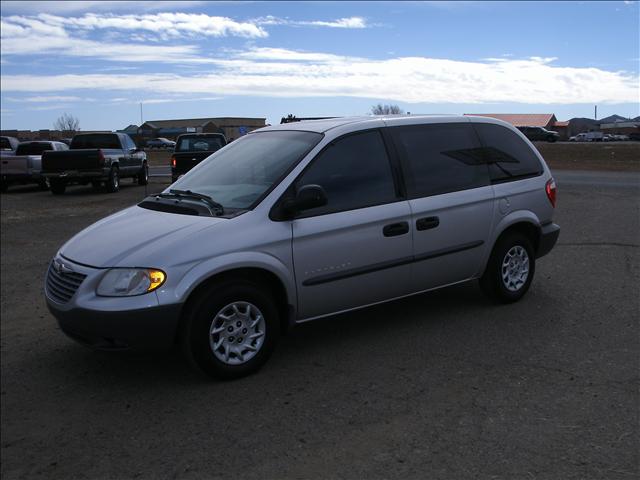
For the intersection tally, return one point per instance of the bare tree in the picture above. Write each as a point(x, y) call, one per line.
point(67, 123)
point(380, 109)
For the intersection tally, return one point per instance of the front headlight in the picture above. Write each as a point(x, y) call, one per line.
point(126, 282)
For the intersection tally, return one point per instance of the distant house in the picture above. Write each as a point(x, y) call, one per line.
point(544, 120)
point(231, 127)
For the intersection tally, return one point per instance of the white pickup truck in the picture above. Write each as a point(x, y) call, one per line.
point(26, 164)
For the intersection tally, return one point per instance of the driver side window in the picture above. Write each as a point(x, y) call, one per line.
point(355, 173)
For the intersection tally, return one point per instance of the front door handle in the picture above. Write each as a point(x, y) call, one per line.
point(395, 229)
point(427, 222)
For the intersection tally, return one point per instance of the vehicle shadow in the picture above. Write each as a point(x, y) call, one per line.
point(418, 315)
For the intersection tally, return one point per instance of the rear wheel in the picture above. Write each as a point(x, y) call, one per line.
point(58, 186)
point(4, 186)
point(113, 182)
point(510, 269)
point(231, 329)
point(143, 176)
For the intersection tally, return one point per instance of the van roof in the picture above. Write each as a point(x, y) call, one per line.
point(321, 126)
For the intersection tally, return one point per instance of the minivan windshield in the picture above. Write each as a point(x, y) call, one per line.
point(240, 173)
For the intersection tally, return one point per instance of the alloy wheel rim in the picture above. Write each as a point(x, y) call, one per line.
point(237, 333)
point(515, 268)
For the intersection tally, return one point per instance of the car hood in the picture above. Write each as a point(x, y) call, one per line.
point(133, 237)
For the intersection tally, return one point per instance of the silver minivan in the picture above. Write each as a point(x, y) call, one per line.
point(295, 222)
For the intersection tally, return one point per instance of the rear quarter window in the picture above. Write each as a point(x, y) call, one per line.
point(95, 141)
point(34, 148)
point(441, 158)
point(507, 155)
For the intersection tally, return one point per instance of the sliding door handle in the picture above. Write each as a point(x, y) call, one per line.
point(427, 223)
point(395, 229)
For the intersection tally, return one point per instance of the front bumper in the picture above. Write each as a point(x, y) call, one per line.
point(137, 322)
point(548, 237)
point(144, 329)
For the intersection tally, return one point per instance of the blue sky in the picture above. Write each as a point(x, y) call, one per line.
point(99, 60)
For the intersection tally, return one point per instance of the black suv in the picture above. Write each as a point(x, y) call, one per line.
point(539, 134)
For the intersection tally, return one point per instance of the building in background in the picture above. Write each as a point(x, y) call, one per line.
point(231, 127)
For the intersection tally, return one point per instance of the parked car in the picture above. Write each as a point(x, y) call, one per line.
point(581, 137)
point(25, 166)
point(95, 158)
point(620, 138)
point(539, 134)
point(164, 143)
point(191, 149)
point(8, 144)
point(298, 221)
point(587, 137)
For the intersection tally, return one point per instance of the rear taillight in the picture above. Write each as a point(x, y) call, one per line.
point(550, 188)
point(100, 158)
point(173, 162)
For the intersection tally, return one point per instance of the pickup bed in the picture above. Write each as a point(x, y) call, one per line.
point(96, 158)
point(191, 149)
point(25, 166)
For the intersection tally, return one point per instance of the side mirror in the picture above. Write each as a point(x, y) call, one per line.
point(308, 197)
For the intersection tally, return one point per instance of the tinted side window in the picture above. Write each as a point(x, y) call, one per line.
point(441, 158)
point(507, 155)
point(128, 142)
point(354, 172)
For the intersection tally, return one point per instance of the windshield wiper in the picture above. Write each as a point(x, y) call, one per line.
point(218, 208)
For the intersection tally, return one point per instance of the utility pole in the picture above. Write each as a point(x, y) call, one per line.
point(141, 122)
point(595, 112)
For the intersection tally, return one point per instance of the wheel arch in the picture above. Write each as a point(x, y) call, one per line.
point(523, 222)
point(260, 274)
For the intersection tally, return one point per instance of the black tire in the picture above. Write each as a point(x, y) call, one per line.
point(551, 138)
point(113, 182)
point(492, 282)
point(43, 184)
point(143, 176)
point(58, 186)
point(201, 314)
point(4, 186)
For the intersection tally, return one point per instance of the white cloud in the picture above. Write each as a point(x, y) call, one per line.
point(167, 24)
point(351, 22)
point(286, 73)
point(346, 22)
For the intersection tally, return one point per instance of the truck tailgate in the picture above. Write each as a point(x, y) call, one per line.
point(71, 160)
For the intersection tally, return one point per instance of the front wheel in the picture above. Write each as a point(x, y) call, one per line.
point(510, 269)
point(113, 182)
point(231, 329)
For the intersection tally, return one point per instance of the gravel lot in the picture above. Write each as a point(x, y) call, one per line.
point(442, 385)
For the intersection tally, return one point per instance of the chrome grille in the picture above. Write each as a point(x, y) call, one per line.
point(61, 285)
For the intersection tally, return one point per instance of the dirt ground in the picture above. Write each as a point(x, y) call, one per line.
point(616, 156)
point(444, 385)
